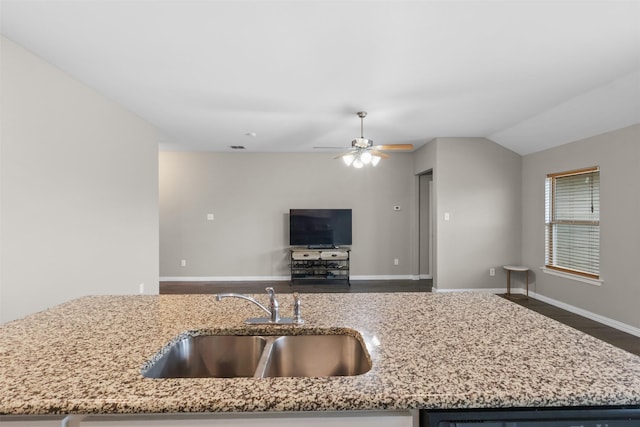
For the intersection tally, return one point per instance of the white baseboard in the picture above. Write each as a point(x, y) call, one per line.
point(425, 276)
point(573, 309)
point(588, 314)
point(385, 277)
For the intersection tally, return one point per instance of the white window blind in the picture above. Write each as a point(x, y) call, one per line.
point(572, 219)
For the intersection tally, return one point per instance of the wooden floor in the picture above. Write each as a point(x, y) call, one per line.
point(613, 336)
point(623, 340)
point(337, 286)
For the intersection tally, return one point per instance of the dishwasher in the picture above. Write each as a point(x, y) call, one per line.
point(620, 416)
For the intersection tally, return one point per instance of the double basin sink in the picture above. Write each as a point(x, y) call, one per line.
point(230, 356)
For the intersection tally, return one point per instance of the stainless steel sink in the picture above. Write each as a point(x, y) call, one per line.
point(317, 356)
point(227, 356)
point(202, 356)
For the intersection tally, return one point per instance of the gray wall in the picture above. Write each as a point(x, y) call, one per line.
point(79, 210)
point(477, 182)
point(250, 195)
point(618, 155)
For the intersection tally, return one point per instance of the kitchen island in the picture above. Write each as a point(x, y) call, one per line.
point(428, 351)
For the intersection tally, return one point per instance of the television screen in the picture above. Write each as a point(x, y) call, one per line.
point(319, 227)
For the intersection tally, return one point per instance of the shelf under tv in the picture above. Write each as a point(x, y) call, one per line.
point(322, 265)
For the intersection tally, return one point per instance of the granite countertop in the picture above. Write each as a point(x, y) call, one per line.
point(466, 350)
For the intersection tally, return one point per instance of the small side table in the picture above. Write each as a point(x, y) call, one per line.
point(511, 268)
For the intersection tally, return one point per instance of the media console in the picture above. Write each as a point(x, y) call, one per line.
point(320, 264)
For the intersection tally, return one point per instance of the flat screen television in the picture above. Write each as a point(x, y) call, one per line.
point(319, 228)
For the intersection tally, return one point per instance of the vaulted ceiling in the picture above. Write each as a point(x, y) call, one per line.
point(291, 75)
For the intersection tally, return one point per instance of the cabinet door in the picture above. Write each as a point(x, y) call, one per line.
point(292, 419)
point(15, 422)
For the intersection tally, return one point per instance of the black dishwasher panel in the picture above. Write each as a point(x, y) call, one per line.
point(628, 416)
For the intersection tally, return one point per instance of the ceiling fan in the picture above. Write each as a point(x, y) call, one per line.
point(363, 151)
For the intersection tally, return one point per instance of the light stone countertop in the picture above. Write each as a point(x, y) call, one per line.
point(463, 350)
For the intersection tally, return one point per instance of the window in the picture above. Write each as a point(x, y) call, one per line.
point(572, 222)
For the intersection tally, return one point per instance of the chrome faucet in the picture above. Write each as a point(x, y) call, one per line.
point(274, 306)
point(297, 316)
point(273, 311)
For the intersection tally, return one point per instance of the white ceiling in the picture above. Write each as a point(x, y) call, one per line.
point(529, 75)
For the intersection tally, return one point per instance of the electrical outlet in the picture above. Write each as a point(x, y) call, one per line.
point(492, 271)
point(183, 263)
point(396, 261)
point(141, 288)
point(210, 217)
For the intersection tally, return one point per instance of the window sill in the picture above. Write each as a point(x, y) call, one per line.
point(576, 277)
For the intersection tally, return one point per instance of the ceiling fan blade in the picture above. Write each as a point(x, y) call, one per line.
point(394, 147)
point(345, 154)
point(379, 154)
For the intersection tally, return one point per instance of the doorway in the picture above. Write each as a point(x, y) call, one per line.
point(425, 225)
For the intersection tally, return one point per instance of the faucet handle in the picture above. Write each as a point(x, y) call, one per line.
point(273, 305)
point(272, 296)
point(297, 315)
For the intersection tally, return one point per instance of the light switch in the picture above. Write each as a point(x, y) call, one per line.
point(446, 216)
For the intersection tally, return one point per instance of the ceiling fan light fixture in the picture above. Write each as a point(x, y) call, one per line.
point(348, 159)
point(366, 157)
point(363, 152)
